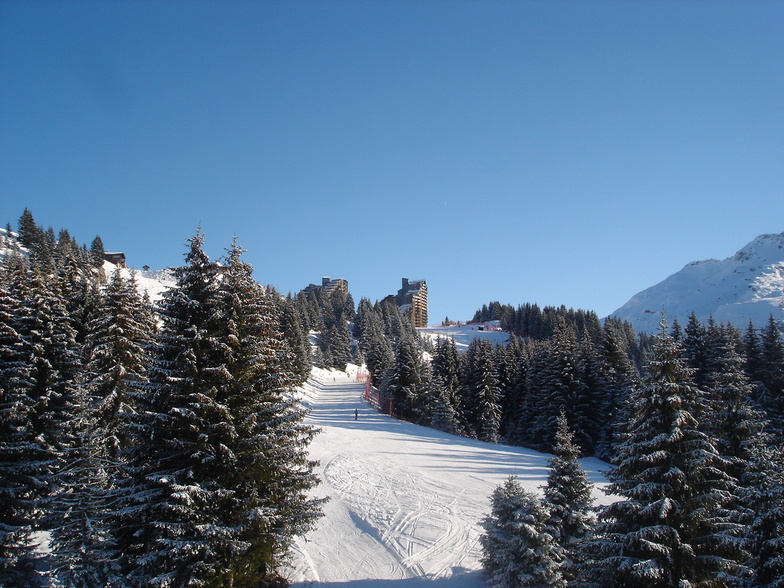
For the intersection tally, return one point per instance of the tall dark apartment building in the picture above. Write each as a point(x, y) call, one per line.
point(412, 301)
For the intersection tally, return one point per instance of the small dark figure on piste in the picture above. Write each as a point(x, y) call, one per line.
point(356, 414)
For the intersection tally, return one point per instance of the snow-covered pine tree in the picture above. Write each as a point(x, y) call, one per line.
point(42, 403)
point(336, 344)
point(442, 414)
point(481, 392)
point(517, 550)
point(85, 556)
point(79, 289)
point(622, 376)
point(168, 527)
point(363, 317)
point(116, 357)
point(446, 366)
point(394, 328)
point(568, 500)
point(752, 352)
point(376, 348)
point(661, 534)
point(28, 232)
point(273, 475)
point(296, 336)
point(695, 350)
point(595, 405)
point(555, 384)
point(219, 470)
point(517, 360)
point(405, 381)
point(96, 252)
point(738, 432)
point(20, 454)
point(765, 497)
point(772, 375)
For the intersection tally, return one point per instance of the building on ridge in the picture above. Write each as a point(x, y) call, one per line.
point(411, 299)
point(117, 258)
point(328, 286)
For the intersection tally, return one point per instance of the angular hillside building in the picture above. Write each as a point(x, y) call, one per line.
point(412, 301)
point(328, 286)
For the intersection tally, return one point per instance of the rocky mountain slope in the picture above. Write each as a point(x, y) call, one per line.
point(749, 286)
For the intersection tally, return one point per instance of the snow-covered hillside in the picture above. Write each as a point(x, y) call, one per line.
point(153, 282)
point(749, 286)
point(405, 501)
point(463, 334)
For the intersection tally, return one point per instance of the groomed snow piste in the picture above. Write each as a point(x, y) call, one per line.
point(405, 501)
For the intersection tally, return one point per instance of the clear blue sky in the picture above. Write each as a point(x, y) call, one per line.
point(553, 152)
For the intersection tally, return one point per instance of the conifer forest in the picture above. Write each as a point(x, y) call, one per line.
point(160, 443)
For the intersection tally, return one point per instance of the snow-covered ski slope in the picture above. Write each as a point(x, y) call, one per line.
point(405, 501)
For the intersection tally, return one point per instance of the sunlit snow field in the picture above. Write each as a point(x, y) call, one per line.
point(405, 501)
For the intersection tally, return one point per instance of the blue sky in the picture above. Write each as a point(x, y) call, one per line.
point(556, 152)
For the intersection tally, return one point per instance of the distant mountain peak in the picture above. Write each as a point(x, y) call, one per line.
point(749, 286)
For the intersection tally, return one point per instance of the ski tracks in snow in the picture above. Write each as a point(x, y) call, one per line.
point(414, 518)
point(405, 501)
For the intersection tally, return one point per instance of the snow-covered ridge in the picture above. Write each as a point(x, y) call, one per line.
point(749, 286)
point(153, 282)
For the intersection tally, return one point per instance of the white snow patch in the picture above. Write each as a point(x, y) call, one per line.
point(405, 501)
point(153, 282)
point(464, 334)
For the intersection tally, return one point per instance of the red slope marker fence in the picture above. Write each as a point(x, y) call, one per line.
point(372, 396)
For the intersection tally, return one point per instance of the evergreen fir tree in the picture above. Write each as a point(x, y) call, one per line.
point(79, 290)
point(378, 351)
point(555, 382)
point(595, 415)
point(765, 498)
point(443, 416)
point(297, 338)
point(622, 376)
point(446, 366)
point(772, 374)
point(172, 502)
point(482, 395)
point(273, 474)
point(365, 314)
point(567, 500)
point(517, 550)
point(391, 320)
point(218, 465)
point(96, 252)
point(662, 533)
point(21, 455)
point(736, 429)
point(28, 232)
point(116, 354)
point(41, 410)
point(405, 382)
point(84, 553)
point(516, 416)
point(695, 349)
point(336, 345)
point(116, 358)
point(752, 353)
